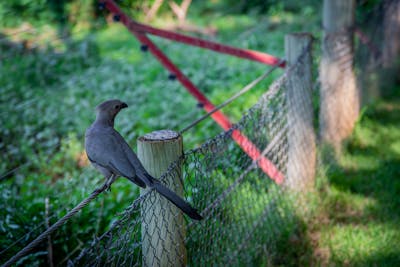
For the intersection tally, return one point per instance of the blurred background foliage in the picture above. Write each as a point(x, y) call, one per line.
point(66, 12)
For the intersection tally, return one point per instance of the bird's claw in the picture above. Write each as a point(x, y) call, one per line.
point(109, 182)
point(105, 187)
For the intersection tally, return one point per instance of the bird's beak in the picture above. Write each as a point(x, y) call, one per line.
point(124, 105)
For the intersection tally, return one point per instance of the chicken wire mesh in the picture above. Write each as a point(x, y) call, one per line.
point(354, 71)
point(245, 212)
point(339, 94)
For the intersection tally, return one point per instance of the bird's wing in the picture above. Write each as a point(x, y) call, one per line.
point(106, 150)
point(133, 159)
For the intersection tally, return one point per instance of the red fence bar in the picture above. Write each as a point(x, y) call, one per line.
point(218, 116)
point(254, 153)
point(366, 41)
point(220, 48)
point(248, 147)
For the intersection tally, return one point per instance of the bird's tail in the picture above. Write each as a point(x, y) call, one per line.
point(177, 200)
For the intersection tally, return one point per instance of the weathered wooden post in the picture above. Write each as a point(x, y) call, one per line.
point(163, 225)
point(301, 134)
point(340, 99)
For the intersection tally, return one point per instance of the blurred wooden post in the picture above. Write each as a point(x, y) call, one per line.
point(340, 99)
point(391, 46)
point(301, 134)
point(163, 225)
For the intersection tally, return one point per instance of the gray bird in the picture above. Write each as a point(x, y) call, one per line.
point(111, 155)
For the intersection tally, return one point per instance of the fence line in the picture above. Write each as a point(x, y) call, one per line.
point(44, 235)
point(88, 258)
point(208, 161)
point(139, 31)
point(121, 244)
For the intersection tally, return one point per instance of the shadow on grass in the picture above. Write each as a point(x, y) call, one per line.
point(362, 201)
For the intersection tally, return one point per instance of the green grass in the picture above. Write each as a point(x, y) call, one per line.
point(360, 203)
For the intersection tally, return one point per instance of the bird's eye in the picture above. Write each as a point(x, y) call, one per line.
point(116, 106)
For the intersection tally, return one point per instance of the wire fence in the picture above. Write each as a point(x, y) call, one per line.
point(353, 72)
point(246, 213)
point(265, 125)
point(240, 204)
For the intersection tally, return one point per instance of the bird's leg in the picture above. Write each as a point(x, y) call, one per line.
point(110, 180)
point(101, 189)
point(107, 184)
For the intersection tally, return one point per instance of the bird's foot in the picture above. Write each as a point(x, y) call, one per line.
point(108, 188)
point(109, 182)
point(105, 188)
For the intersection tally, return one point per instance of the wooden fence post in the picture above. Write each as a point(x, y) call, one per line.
point(340, 99)
point(301, 134)
point(163, 225)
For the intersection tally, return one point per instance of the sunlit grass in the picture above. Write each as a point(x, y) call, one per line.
point(117, 43)
point(363, 245)
point(361, 202)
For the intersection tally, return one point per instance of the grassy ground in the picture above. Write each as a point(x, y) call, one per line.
point(358, 220)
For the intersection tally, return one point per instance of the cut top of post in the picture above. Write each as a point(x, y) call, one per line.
point(160, 136)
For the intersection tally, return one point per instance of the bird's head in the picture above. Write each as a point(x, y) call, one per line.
point(107, 110)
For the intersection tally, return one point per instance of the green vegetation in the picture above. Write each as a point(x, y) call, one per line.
point(353, 217)
point(360, 210)
point(48, 95)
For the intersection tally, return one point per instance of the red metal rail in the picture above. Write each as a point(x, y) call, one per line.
point(139, 32)
point(135, 26)
point(220, 48)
